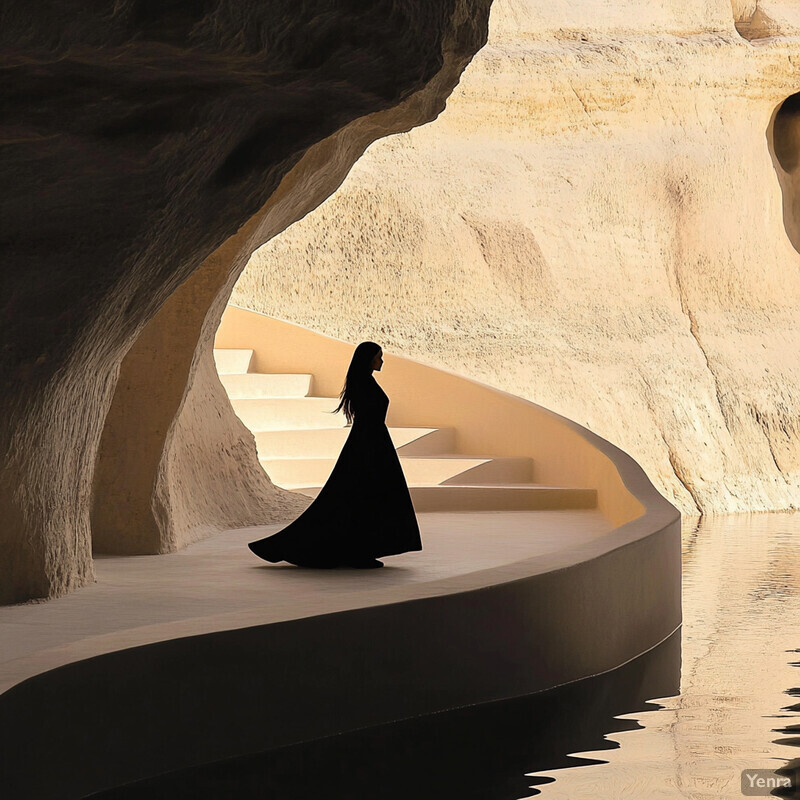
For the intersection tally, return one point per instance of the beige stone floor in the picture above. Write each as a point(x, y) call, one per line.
point(218, 584)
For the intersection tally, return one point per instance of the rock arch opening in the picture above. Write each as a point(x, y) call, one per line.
point(786, 134)
point(783, 139)
point(142, 244)
point(196, 471)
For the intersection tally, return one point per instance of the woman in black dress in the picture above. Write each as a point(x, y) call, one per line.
point(364, 511)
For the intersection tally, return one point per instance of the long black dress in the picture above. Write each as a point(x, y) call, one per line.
point(364, 511)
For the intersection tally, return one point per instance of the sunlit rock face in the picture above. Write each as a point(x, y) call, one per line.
point(597, 224)
point(138, 138)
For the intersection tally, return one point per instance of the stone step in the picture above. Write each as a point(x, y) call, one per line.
point(418, 470)
point(281, 413)
point(232, 362)
point(255, 385)
point(520, 497)
point(328, 442)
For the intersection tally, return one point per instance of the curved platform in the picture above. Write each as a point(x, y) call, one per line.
point(179, 660)
point(175, 661)
point(218, 584)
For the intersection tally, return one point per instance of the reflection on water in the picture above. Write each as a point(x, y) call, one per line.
point(736, 709)
point(741, 633)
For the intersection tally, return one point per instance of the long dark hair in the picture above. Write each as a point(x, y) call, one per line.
point(357, 373)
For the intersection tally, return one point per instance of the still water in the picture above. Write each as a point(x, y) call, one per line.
point(739, 702)
point(684, 721)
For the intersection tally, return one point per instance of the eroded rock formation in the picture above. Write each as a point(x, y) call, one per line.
point(596, 223)
point(138, 139)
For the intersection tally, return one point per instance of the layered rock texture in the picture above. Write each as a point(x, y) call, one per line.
point(148, 149)
point(605, 221)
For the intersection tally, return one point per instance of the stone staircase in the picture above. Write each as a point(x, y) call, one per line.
point(299, 440)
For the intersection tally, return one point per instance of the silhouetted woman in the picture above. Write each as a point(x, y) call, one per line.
point(364, 511)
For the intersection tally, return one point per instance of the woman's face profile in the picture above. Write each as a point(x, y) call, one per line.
point(377, 362)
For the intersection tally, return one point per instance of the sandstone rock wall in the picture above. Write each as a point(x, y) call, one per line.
point(596, 223)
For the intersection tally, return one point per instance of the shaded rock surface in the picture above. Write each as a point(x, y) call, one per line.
point(603, 221)
point(138, 138)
